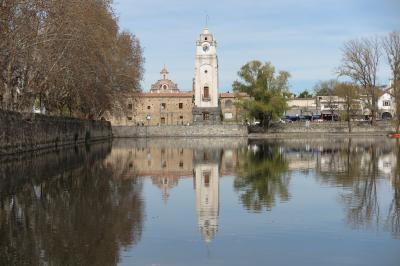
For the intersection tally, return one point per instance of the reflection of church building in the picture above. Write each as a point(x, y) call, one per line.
point(165, 104)
point(166, 166)
point(206, 175)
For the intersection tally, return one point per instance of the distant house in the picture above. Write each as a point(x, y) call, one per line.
point(302, 108)
point(330, 106)
point(386, 104)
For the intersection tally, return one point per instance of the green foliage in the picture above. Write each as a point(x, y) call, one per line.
point(261, 177)
point(305, 94)
point(265, 89)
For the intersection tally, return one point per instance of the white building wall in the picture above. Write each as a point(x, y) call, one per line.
point(206, 70)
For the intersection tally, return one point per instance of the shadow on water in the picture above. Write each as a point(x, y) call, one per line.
point(67, 208)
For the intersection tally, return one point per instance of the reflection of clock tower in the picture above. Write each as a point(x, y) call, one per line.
point(206, 175)
point(207, 109)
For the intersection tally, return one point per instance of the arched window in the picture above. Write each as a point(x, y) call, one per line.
point(165, 87)
point(206, 92)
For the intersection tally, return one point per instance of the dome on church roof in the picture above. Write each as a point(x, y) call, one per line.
point(164, 71)
point(164, 84)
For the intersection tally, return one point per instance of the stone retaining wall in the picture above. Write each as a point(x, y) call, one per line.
point(383, 127)
point(180, 131)
point(21, 132)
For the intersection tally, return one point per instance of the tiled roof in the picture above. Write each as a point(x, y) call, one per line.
point(166, 94)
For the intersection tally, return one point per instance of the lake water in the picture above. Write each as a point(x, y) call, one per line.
point(204, 202)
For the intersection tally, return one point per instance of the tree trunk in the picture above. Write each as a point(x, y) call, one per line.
point(373, 109)
point(349, 122)
point(348, 113)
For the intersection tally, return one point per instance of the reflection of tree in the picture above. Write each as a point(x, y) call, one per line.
point(362, 201)
point(393, 220)
point(82, 215)
point(356, 170)
point(261, 177)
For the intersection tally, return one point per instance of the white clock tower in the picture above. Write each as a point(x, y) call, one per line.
point(206, 110)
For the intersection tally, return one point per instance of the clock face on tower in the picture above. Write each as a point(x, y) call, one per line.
point(206, 47)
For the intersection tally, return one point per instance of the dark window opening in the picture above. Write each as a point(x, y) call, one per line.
point(163, 106)
point(206, 93)
point(148, 107)
point(129, 118)
point(180, 164)
point(206, 179)
point(206, 116)
point(181, 117)
point(180, 105)
point(205, 38)
point(162, 120)
point(130, 106)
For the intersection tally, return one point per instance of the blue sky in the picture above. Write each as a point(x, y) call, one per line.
point(303, 37)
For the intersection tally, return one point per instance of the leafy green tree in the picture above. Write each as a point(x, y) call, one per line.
point(305, 94)
point(265, 89)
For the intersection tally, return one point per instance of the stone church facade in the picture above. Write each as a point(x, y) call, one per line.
point(165, 104)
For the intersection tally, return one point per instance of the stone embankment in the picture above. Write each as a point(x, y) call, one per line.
point(323, 129)
point(180, 131)
point(22, 132)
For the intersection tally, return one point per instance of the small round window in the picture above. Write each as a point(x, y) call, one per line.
point(205, 71)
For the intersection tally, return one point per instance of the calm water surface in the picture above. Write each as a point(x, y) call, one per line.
point(204, 202)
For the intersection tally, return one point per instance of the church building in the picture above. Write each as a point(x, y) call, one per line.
point(165, 104)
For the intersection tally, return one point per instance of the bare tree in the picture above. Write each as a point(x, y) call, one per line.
point(360, 62)
point(391, 45)
point(66, 56)
point(351, 95)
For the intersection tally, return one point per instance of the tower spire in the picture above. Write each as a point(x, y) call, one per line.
point(207, 18)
